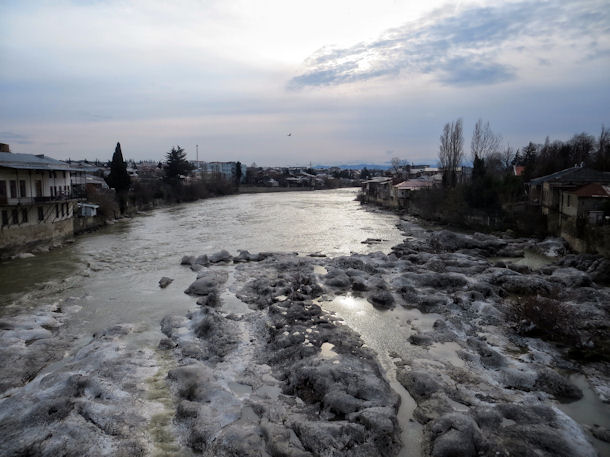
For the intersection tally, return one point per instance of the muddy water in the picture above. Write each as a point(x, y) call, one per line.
point(113, 273)
point(589, 411)
point(397, 325)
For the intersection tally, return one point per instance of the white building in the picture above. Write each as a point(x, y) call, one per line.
point(227, 170)
point(36, 200)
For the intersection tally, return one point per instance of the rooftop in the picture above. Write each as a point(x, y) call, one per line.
point(378, 180)
point(593, 190)
point(574, 175)
point(414, 184)
point(32, 162)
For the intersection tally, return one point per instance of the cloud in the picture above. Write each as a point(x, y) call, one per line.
point(12, 137)
point(465, 49)
point(466, 71)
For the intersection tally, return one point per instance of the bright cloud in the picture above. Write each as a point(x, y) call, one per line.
point(351, 79)
point(471, 47)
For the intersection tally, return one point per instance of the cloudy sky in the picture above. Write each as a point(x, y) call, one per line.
point(353, 81)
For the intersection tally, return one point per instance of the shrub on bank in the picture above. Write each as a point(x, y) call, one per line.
point(108, 206)
point(544, 317)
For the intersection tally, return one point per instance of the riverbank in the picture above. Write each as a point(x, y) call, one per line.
point(298, 355)
point(258, 189)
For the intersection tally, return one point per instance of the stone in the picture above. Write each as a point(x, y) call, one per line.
point(337, 278)
point(456, 435)
point(551, 247)
point(571, 277)
point(381, 299)
point(220, 256)
point(207, 282)
point(523, 284)
point(187, 260)
point(165, 281)
point(421, 385)
point(550, 381)
point(210, 300)
point(202, 260)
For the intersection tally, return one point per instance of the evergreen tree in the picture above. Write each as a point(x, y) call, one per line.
point(176, 165)
point(238, 173)
point(528, 159)
point(118, 179)
point(481, 192)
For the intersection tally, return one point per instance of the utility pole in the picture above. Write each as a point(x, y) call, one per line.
point(197, 149)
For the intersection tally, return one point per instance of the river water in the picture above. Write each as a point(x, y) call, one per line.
point(113, 273)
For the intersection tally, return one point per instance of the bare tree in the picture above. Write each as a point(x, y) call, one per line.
point(604, 138)
point(396, 162)
point(399, 166)
point(602, 156)
point(451, 151)
point(444, 150)
point(484, 141)
point(508, 155)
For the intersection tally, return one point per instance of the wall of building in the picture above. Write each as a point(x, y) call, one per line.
point(20, 238)
point(21, 227)
point(83, 224)
point(583, 237)
point(569, 204)
point(51, 183)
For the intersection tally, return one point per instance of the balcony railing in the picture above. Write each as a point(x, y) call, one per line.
point(53, 198)
point(8, 201)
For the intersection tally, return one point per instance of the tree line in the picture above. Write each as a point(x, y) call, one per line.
point(492, 187)
point(487, 151)
point(171, 187)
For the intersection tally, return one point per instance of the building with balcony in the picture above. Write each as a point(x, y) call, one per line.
point(36, 201)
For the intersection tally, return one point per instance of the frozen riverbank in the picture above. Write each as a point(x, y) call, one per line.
point(285, 354)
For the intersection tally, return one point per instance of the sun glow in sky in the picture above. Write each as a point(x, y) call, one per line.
point(354, 81)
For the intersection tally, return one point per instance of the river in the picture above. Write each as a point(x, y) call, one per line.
point(114, 272)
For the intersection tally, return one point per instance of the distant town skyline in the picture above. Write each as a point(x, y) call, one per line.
point(289, 83)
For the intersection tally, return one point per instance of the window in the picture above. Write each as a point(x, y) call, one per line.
point(38, 188)
point(2, 188)
point(24, 216)
point(64, 174)
point(15, 215)
point(40, 213)
point(22, 192)
point(4, 217)
point(62, 210)
point(13, 189)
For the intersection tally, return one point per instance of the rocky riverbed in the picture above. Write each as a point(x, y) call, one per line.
point(291, 355)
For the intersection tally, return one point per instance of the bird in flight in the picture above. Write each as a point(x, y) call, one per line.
point(290, 134)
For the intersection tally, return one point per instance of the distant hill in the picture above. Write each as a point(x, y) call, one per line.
point(357, 166)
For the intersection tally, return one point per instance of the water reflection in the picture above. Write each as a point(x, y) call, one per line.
point(114, 272)
point(387, 333)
